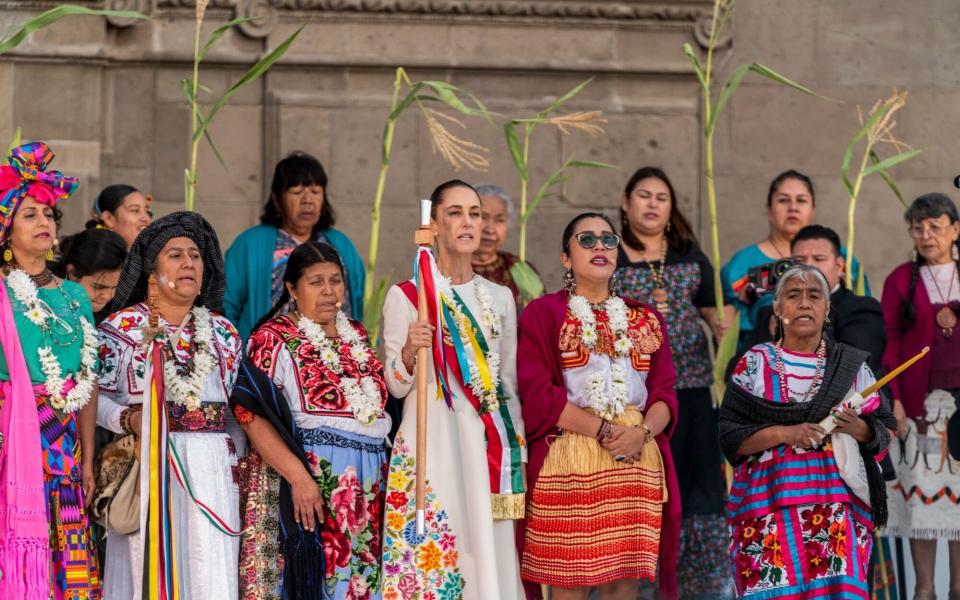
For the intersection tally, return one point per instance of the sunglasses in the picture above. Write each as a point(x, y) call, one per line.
point(588, 240)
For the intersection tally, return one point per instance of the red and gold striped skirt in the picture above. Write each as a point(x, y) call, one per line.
point(591, 519)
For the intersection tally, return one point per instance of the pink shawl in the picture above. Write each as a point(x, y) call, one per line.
point(24, 530)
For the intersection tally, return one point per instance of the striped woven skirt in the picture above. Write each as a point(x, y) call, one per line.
point(591, 519)
point(74, 572)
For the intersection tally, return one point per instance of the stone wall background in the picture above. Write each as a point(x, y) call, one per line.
point(107, 98)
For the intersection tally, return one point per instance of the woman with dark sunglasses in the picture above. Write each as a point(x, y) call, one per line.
point(596, 381)
point(661, 264)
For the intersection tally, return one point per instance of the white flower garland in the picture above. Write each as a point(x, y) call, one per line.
point(362, 395)
point(612, 405)
point(616, 310)
point(38, 312)
point(489, 398)
point(186, 390)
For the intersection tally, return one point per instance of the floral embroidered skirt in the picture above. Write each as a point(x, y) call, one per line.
point(593, 520)
point(801, 552)
point(350, 470)
point(73, 571)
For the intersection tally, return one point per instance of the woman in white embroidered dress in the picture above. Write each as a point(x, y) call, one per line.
point(475, 444)
point(180, 252)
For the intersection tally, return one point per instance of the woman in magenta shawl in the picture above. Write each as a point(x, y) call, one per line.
point(596, 381)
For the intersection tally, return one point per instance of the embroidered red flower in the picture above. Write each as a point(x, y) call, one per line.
point(336, 547)
point(748, 569)
point(838, 538)
point(816, 519)
point(397, 500)
point(741, 366)
point(817, 558)
point(349, 503)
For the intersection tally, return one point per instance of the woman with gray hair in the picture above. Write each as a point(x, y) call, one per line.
point(799, 530)
point(489, 260)
point(921, 300)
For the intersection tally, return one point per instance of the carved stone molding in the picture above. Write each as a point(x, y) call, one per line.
point(694, 13)
point(145, 7)
point(559, 9)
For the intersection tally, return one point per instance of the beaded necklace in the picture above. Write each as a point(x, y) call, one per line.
point(817, 374)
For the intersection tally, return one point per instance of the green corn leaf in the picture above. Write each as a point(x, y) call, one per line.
point(14, 142)
point(216, 152)
point(448, 94)
point(737, 77)
point(373, 309)
point(888, 179)
point(254, 73)
point(891, 161)
point(559, 177)
point(406, 102)
point(726, 350)
point(595, 164)
point(218, 33)
point(563, 99)
point(527, 281)
point(516, 152)
point(845, 167)
point(695, 63)
point(55, 14)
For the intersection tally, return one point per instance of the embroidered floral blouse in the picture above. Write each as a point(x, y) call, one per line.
point(581, 366)
point(123, 362)
point(313, 392)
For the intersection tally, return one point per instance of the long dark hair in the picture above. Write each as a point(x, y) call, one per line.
point(680, 234)
point(568, 230)
point(298, 168)
point(90, 251)
point(304, 256)
point(109, 200)
point(790, 174)
point(927, 206)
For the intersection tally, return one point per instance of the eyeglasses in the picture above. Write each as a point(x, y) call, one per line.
point(920, 230)
point(588, 240)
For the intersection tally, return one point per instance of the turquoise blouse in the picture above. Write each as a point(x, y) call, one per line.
point(69, 302)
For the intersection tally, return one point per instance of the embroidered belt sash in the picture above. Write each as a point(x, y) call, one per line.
point(209, 418)
point(504, 456)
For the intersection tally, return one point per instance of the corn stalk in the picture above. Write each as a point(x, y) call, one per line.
point(712, 109)
point(456, 151)
point(191, 88)
point(53, 15)
point(528, 282)
point(875, 129)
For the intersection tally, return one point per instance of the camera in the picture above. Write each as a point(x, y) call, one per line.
point(763, 279)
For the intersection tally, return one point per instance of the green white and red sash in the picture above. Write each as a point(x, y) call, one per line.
point(452, 361)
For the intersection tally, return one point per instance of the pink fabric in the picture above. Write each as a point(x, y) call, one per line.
point(911, 386)
point(543, 396)
point(24, 530)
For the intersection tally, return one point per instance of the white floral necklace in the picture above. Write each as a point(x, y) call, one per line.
point(362, 394)
point(186, 390)
point(489, 395)
point(39, 312)
point(616, 310)
point(606, 404)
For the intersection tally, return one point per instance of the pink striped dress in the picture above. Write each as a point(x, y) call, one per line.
point(797, 530)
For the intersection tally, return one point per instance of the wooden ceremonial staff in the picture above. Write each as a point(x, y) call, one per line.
point(829, 423)
point(423, 238)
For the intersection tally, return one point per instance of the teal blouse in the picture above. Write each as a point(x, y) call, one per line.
point(65, 345)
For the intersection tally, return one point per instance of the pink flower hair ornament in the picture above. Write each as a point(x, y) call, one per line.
point(27, 175)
